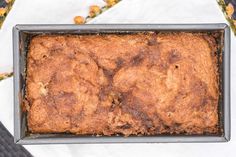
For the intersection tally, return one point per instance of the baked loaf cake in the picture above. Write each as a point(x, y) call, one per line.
point(127, 84)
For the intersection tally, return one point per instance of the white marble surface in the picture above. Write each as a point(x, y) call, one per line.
point(127, 11)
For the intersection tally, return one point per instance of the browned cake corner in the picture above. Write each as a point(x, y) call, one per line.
point(136, 84)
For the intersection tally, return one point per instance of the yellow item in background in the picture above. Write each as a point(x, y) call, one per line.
point(228, 8)
point(5, 7)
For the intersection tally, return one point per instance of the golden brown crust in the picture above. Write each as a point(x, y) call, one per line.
point(133, 84)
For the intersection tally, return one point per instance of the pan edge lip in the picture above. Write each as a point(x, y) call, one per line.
point(21, 139)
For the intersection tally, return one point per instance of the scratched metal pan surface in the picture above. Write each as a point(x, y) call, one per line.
point(22, 35)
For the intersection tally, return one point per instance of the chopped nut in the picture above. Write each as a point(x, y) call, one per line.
point(43, 89)
point(229, 10)
point(79, 20)
point(2, 11)
point(94, 10)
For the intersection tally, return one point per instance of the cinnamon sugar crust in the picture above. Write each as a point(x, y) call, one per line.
point(129, 84)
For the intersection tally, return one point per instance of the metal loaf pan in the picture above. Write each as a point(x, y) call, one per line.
point(22, 35)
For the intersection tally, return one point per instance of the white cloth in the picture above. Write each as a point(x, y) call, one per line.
point(127, 11)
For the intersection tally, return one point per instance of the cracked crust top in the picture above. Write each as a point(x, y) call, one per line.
point(129, 84)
